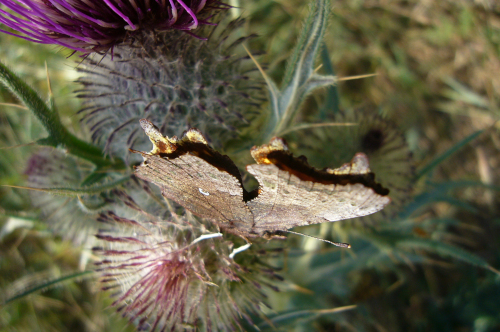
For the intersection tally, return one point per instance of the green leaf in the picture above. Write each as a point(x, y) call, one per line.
point(301, 65)
point(59, 136)
point(440, 192)
point(93, 178)
point(300, 79)
point(464, 94)
point(33, 102)
point(292, 316)
point(333, 266)
point(451, 185)
point(46, 285)
point(395, 242)
point(444, 250)
point(433, 164)
point(317, 81)
point(332, 101)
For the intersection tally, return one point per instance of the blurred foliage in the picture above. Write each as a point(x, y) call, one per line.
point(428, 266)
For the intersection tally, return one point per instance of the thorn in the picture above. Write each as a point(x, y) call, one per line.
point(266, 78)
point(349, 78)
point(48, 80)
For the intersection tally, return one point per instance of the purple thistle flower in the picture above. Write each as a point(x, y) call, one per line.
point(164, 281)
point(86, 25)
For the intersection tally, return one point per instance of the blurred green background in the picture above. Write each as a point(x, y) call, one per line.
point(428, 264)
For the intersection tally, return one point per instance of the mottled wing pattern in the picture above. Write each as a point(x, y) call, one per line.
point(292, 193)
point(197, 177)
point(198, 186)
point(285, 201)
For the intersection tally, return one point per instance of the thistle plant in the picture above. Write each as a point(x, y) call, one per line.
point(165, 274)
point(174, 80)
point(71, 217)
point(182, 64)
point(163, 69)
point(97, 26)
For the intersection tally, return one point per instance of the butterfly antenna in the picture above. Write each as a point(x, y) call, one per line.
point(337, 244)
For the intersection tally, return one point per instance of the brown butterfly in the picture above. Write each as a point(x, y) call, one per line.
point(291, 193)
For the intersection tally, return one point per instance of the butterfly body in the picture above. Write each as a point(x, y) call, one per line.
point(291, 193)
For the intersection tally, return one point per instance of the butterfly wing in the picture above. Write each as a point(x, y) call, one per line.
point(198, 186)
point(293, 194)
point(197, 177)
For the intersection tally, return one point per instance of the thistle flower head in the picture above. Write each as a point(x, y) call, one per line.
point(72, 218)
point(164, 280)
point(175, 82)
point(88, 25)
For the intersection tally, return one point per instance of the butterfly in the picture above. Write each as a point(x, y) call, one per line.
point(290, 193)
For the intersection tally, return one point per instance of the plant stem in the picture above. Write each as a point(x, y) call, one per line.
point(59, 136)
